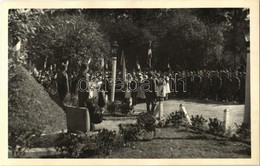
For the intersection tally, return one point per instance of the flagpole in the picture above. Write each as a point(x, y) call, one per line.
point(123, 67)
point(114, 59)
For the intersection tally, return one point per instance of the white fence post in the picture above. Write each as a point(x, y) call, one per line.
point(226, 119)
point(160, 109)
point(182, 108)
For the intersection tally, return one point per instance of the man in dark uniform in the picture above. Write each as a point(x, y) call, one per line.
point(149, 87)
point(190, 82)
point(206, 85)
point(226, 84)
point(133, 89)
point(242, 90)
point(197, 84)
point(63, 83)
point(235, 87)
point(216, 85)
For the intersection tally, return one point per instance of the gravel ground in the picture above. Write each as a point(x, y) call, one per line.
point(208, 109)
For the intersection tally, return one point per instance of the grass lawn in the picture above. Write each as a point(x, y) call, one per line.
point(169, 143)
point(178, 143)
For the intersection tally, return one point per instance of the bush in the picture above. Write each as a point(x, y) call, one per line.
point(130, 132)
point(96, 114)
point(119, 107)
point(146, 121)
point(82, 145)
point(243, 131)
point(216, 127)
point(107, 141)
point(20, 141)
point(174, 119)
point(71, 145)
point(198, 122)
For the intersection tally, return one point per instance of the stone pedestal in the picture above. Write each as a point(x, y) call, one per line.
point(77, 119)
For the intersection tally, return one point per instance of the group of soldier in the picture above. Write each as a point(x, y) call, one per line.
point(149, 86)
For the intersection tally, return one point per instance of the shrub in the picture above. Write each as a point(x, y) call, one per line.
point(146, 121)
point(20, 141)
point(243, 131)
point(107, 141)
point(175, 119)
point(130, 132)
point(216, 127)
point(96, 114)
point(70, 145)
point(198, 122)
point(119, 107)
point(84, 145)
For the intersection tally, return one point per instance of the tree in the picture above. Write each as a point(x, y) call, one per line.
point(67, 37)
point(187, 41)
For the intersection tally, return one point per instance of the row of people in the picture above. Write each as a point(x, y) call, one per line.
point(217, 85)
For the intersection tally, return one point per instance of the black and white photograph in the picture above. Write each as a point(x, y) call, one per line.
point(130, 83)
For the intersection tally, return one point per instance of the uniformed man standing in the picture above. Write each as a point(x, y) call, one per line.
point(190, 82)
point(242, 90)
point(197, 84)
point(235, 87)
point(149, 88)
point(216, 85)
point(206, 85)
point(63, 83)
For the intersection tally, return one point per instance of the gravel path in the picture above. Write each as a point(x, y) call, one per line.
point(193, 107)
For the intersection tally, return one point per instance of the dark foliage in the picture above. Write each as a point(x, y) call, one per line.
point(119, 107)
point(243, 131)
point(83, 145)
point(21, 140)
point(198, 122)
point(216, 127)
